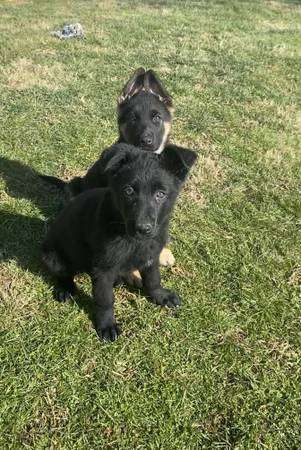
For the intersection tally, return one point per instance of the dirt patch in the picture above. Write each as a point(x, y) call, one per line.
point(25, 74)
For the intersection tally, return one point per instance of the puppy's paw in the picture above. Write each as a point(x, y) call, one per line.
point(165, 297)
point(133, 279)
point(166, 259)
point(62, 295)
point(108, 334)
point(65, 290)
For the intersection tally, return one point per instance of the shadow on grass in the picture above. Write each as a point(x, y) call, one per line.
point(22, 182)
point(21, 238)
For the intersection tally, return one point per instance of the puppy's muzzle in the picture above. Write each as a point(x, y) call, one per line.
point(144, 228)
point(147, 140)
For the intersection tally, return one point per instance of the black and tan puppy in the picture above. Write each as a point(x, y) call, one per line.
point(144, 110)
point(108, 232)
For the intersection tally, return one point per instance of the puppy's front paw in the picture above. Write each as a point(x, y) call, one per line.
point(166, 259)
point(62, 295)
point(108, 334)
point(165, 297)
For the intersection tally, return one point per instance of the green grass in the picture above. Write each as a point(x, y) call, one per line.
point(224, 371)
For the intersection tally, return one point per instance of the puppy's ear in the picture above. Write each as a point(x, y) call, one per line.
point(154, 85)
point(134, 85)
point(118, 155)
point(178, 161)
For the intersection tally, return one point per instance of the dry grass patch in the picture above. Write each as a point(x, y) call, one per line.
point(206, 172)
point(280, 350)
point(42, 26)
point(295, 278)
point(284, 113)
point(286, 50)
point(276, 25)
point(298, 123)
point(25, 74)
point(67, 174)
point(277, 156)
point(280, 6)
point(13, 285)
point(17, 2)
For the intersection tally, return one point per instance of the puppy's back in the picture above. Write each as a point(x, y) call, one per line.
point(70, 231)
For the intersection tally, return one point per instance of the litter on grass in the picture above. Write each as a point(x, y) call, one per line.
point(72, 30)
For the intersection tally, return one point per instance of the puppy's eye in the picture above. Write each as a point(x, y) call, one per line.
point(156, 118)
point(128, 191)
point(160, 195)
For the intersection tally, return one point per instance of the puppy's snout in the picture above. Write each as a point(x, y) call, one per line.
point(144, 228)
point(147, 138)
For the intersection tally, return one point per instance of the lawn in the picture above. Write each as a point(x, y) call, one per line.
point(224, 370)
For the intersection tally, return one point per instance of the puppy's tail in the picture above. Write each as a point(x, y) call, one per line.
point(71, 188)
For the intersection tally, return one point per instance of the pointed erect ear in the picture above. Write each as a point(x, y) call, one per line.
point(178, 161)
point(118, 155)
point(134, 85)
point(154, 85)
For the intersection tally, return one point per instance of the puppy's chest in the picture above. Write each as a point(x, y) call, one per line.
point(143, 255)
point(125, 255)
point(138, 255)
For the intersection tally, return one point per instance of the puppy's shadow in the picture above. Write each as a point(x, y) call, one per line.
point(21, 236)
point(20, 241)
point(22, 182)
point(85, 303)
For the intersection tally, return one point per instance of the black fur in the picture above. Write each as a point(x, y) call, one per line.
point(144, 120)
point(111, 231)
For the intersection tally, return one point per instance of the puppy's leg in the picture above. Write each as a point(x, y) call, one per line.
point(157, 294)
point(167, 259)
point(65, 288)
point(133, 279)
point(65, 284)
point(106, 327)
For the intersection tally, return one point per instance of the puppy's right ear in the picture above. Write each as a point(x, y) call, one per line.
point(134, 85)
point(153, 84)
point(116, 156)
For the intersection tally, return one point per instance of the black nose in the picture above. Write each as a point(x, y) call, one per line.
point(144, 228)
point(146, 139)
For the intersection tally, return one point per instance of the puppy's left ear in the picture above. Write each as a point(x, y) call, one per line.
point(153, 84)
point(178, 161)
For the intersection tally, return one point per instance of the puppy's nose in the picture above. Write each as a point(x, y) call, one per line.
point(144, 228)
point(146, 139)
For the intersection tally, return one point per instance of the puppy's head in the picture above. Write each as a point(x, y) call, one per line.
point(145, 185)
point(145, 112)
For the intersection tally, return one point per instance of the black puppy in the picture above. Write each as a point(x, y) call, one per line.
point(144, 119)
point(111, 231)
